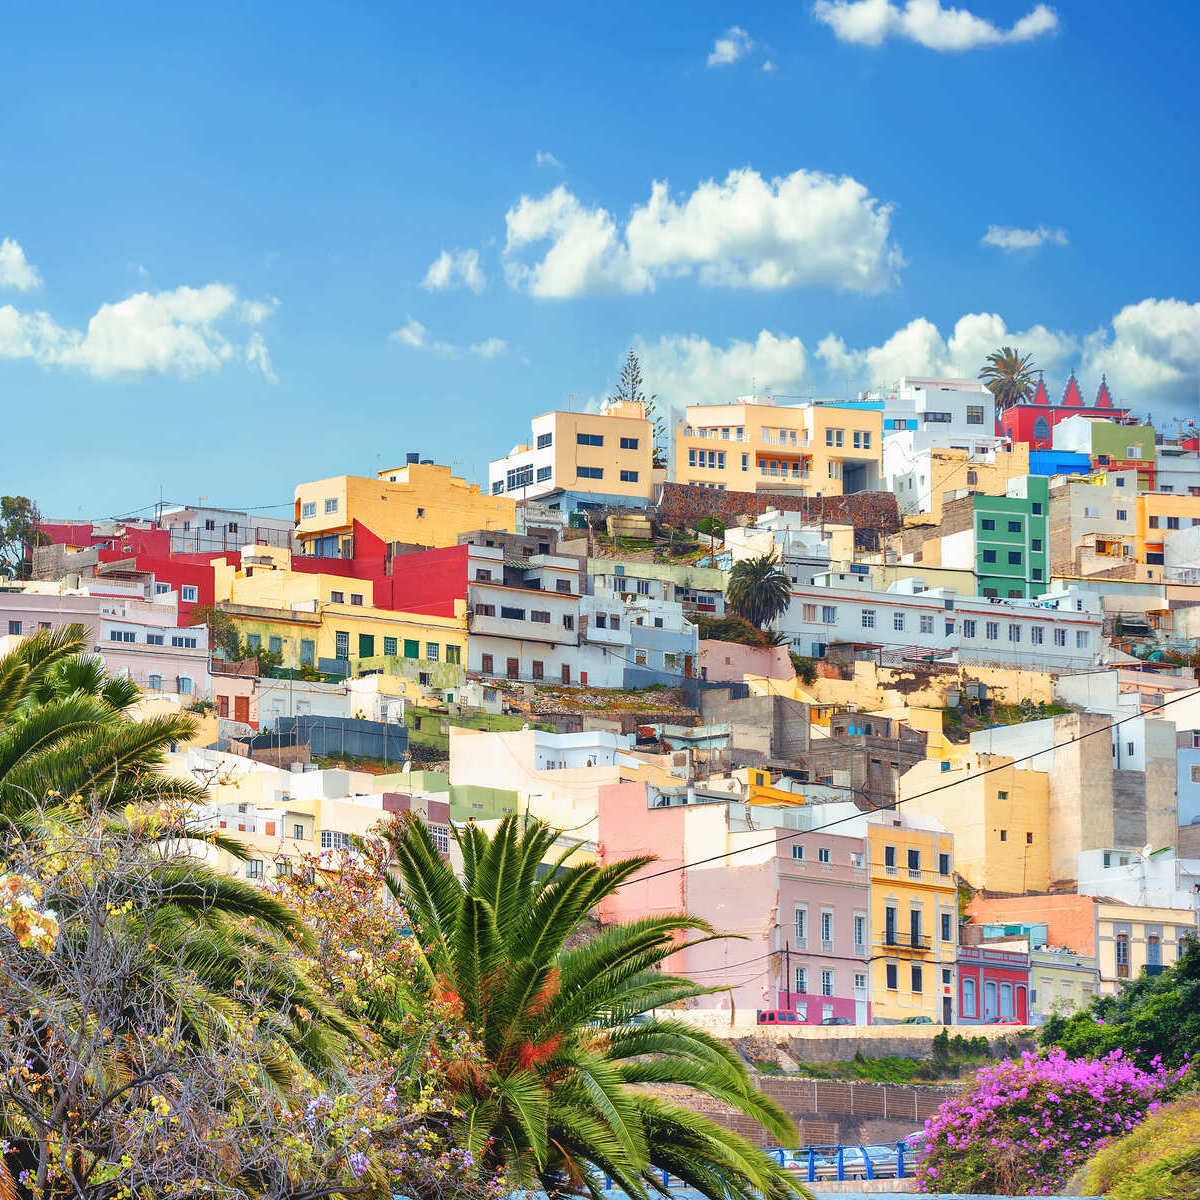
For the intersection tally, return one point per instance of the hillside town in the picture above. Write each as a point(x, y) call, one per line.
point(899, 690)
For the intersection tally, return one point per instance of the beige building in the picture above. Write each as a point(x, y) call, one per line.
point(756, 445)
point(607, 458)
point(942, 473)
point(419, 504)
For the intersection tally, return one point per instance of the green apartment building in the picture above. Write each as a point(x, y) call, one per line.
point(1011, 551)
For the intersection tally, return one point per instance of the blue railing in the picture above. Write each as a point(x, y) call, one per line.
point(813, 1164)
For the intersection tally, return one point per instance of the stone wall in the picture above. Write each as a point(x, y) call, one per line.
point(871, 513)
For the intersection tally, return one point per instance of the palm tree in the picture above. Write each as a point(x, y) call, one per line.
point(1009, 375)
point(64, 732)
point(561, 1091)
point(758, 590)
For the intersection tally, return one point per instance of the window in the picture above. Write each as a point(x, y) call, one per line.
point(914, 864)
point(1082, 637)
point(947, 928)
point(331, 505)
point(307, 509)
point(356, 598)
point(897, 621)
point(1014, 558)
point(254, 868)
point(974, 414)
point(1153, 950)
point(890, 972)
point(834, 437)
point(189, 593)
point(1004, 835)
point(544, 473)
point(989, 556)
point(968, 628)
point(590, 472)
point(184, 685)
point(332, 839)
point(639, 658)
point(972, 478)
point(889, 859)
point(1172, 522)
point(823, 854)
point(486, 664)
point(1036, 635)
point(1133, 452)
point(589, 439)
point(568, 621)
point(512, 614)
point(868, 618)
point(926, 623)
point(539, 669)
point(992, 630)
point(826, 983)
point(544, 440)
point(798, 851)
point(987, 524)
point(860, 933)
point(337, 597)
point(827, 929)
point(629, 477)
point(540, 616)
point(1036, 545)
point(1060, 637)
point(828, 614)
point(802, 980)
point(918, 978)
point(862, 439)
point(481, 610)
point(211, 524)
point(1014, 633)
point(341, 644)
point(1153, 522)
point(969, 1002)
point(454, 655)
point(1036, 573)
point(390, 647)
point(497, 487)
point(801, 928)
point(519, 477)
point(432, 651)
point(115, 635)
point(275, 644)
point(155, 684)
point(628, 443)
point(1036, 509)
point(14, 627)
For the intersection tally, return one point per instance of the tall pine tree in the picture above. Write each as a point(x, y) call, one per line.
point(631, 390)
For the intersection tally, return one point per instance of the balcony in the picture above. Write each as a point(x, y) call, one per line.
point(905, 941)
point(551, 632)
point(826, 945)
point(784, 473)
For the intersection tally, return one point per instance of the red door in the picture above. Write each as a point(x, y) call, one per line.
point(513, 668)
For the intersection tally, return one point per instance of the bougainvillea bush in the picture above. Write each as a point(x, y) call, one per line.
point(1025, 1126)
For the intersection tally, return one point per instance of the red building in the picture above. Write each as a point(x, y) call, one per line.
point(993, 986)
point(1033, 423)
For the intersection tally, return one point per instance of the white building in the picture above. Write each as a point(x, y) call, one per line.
point(1060, 630)
point(1146, 878)
point(200, 530)
point(581, 460)
point(138, 636)
point(1178, 470)
point(805, 550)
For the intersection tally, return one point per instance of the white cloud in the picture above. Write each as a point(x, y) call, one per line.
point(799, 230)
point(926, 22)
point(733, 44)
point(688, 369)
point(769, 67)
point(1011, 240)
point(1151, 354)
point(184, 332)
point(545, 159)
point(414, 335)
point(16, 271)
point(454, 269)
point(920, 349)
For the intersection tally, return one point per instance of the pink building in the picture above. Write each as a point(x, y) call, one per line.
point(137, 636)
point(731, 662)
point(795, 907)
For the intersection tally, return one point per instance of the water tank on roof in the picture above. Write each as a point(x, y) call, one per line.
point(427, 462)
point(412, 456)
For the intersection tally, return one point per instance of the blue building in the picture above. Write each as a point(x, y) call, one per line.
point(1058, 462)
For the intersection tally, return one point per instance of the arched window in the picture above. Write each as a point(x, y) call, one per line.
point(185, 685)
point(154, 683)
point(1041, 428)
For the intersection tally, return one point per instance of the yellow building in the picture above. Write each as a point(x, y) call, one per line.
point(954, 470)
point(1000, 820)
point(914, 920)
point(1159, 514)
point(606, 457)
point(308, 617)
point(420, 504)
point(754, 445)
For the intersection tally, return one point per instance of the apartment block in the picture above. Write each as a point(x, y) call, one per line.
point(580, 460)
point(755, 445)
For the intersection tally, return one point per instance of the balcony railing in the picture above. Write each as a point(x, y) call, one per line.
point(909, 941)
point(826, 945)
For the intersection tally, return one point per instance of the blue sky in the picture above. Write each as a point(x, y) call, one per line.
point(217, 224)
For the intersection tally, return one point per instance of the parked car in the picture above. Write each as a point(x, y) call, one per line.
point(917, 1021)
point(837, 1021)
point(778, 1016)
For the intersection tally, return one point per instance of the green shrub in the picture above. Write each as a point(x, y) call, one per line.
point(1159, 1160)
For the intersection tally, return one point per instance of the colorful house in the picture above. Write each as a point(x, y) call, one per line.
point(993, 985)
point(914, 922)
point(1032, 423)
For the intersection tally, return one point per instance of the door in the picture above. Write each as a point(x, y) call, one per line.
point(860, 998)
point(241, 709)
point(947, 1011)
point(513, 668)
point(990, 1008)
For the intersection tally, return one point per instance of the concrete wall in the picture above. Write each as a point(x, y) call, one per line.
point(731, 662)
point(345, 736)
